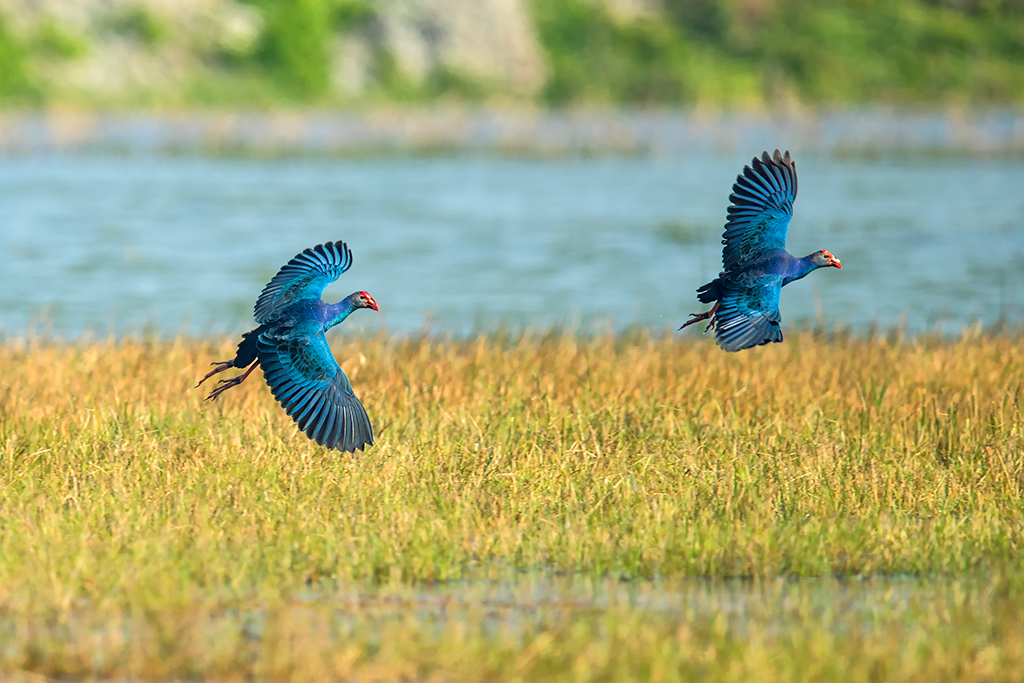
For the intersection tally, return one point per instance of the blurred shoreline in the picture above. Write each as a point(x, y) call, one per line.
point(866, 131)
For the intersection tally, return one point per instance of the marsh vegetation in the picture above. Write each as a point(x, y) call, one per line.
point(544, 504)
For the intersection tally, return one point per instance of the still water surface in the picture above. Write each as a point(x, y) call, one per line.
point(110, 242)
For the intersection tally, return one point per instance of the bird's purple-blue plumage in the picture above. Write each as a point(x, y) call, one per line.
point(755, 263)
point(297, 362)
point(292, 350)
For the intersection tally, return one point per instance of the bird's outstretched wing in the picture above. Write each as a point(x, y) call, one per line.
point(304, 277)
point(762, 206)
point(312, 388)
point(749, 315)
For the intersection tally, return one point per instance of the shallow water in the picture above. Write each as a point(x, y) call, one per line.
point(852, 602)
point(521, 605)
point(105, 242)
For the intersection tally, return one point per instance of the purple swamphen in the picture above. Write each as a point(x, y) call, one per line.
point(289, 344)
point(755, 263)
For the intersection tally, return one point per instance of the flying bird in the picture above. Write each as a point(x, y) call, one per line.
point(755, 263)
point(290, 345)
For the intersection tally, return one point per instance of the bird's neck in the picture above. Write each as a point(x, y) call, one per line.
point(336, 313)
point(798, 268)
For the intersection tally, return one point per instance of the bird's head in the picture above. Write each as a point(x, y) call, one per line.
point(825, 258)
point(364, 300)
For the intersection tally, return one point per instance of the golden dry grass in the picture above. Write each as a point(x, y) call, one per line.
point(143, 533)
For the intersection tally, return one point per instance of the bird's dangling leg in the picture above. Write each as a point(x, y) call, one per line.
point(245, 357)
point(222, 365)
point(226, 384)
point(697, 317)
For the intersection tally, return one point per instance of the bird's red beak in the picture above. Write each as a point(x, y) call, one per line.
point(373, 304)
point(836, 263)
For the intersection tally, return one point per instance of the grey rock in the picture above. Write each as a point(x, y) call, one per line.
point(488, 41)
point(116, 63)
point(492, 41)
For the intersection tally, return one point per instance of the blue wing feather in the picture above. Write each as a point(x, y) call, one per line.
point(304, 277)
point(749, 316)
point(312, 388)
point(761, 209)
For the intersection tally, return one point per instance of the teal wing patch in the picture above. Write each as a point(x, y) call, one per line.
point(312, 388)
point(749, 316)
point(761, 209)
point(304, 277)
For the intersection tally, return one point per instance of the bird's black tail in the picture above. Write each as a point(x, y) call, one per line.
point(246, 353)
point(711, 292)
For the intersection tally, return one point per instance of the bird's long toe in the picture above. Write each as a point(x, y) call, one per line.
point(222, 365)
point(695, 318)
point(226, 384)
point(223, 386)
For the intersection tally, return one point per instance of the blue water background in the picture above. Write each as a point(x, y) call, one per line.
point(101, 241)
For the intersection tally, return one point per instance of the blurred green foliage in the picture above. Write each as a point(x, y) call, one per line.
point(593, 57)
point(140, 24)
point(15, 83)
point(817, 51)
point(348, 14)
point(893, 50)
point(716, 52)
point(51, 39)
point(295, 47)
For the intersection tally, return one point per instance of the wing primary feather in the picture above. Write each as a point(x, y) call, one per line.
point(334, 437)
point(752, 186)
point(361, 430)
point(309, 420)
point(347, 433)
point(312, 410)
point(774, 166)
point(780, 178)
point(288, 393)
point(361, 425)
point(326, 421)
point(748, 334)
point(764, 171)
point(295, 400)
point(301, 410)
point(316, 418)
point(316, 428)
point(332, 418)
point(782, 163)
